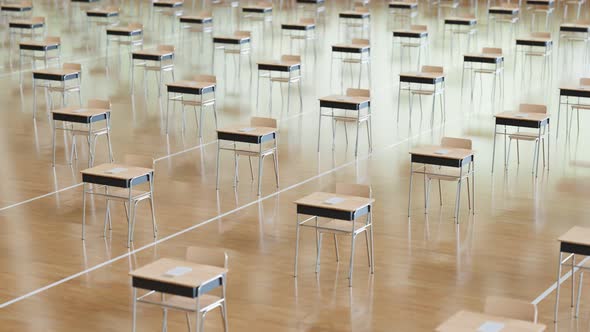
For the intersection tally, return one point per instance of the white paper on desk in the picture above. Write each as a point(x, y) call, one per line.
point(115, 170)
point(490, 326)
point(178, 271)
point(441, 151)
point(245, 130)
point(521, 115)
point(334, 200)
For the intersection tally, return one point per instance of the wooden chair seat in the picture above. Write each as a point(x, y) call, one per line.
point(85, 132)
point(339, 226)
point(442, 174)
point(206, 301)
point(524, 136)
point(255, 153)
point(123, 194)
point(344, 118)
point(167, 67)
point(285, 79)
point(207, 102)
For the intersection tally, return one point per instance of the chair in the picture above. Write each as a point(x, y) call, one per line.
point(338, 227)
point(356, 117)
point(66, 87)
point(529, 136)
point(206, 302)
point(577, 107)
point(262, 152)
point(157, 67)
point(440, 173)
point(497, 70)
point(293, 77)
point(511, 308)
point(204, 100)
point(90, 132)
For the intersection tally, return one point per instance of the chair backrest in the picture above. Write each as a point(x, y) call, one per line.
point(419, 27)
point(453, 142)
point(359, 41)
point(112, 8)
point(205, 78)
point(354, 189)
point(358, 92)
point(207, 256)
point(511, 308)
point(166, 48)
point(205, 13)
point(99, 103)
point(361, 9)
point(242, 33)
point(135, 26)
point(532, 108)
point(492, 50)
point(584, 81)
point(38, 19)
point(263, 122)
point(55, 40)
point(541, 34)
point(307, 20)
point(294, 58)
point(75, 66)
point(432, 69)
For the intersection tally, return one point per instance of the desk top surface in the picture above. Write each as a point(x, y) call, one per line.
point(515, 115)
point(583, 25)
point(232, 37)
point(505, 6)
point(40, 43)
point(352, 45)
point(105, 10)
point(197, 17)
point(81, 111)
point(153, 52)
point(167, 2)
point(576, 235)
point(485, 55)
point(198, 274)
point(122, 172)
point(26, 21)
point(248, 130)
point(346, 99)
point(439, 151)
point(299, 24)
point(56, 71)
point(348, 203)
point(280, 63)
point(468, 321)
point(191, 84)
point(461, 18)
point(124, 29)
point(432, 75)
point(585, 88)
point(534, 39)
point(18, 5)
point(402, 3)
point(258, 6)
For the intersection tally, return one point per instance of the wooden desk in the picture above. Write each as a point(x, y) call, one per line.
point(299, 31)
point(25, 24)
point(85, 116)
point(200, 280)
point(28, 48)
point(349, 208)
point(505, 9)
point(288, 67)
point(407, 5)
point(196, 19)
point(436, 79)
point(231, 40)
point(351, 53)
point(538, 121)
point(463, 21)
point(575, 241)
point(346, 103)
point(540, 2)
point(351, 48)
point(534, 41)
point(119, 176)
point(257, 9)
point(53, 74)
point(575, 27)
point(250, 135)
point(167, 3)
point(354, 15)
point(298, 26)
point(468, 321)
point(143, 56)
point(445, 157)
point(17, 7)
point(179, 89)
point(239, 45)
point(409, 33)
point(568, 96)
point(102, 12)
point(478, 62)
point(127, 35)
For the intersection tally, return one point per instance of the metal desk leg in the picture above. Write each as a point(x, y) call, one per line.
point(83, 210)
point(557, 287)
point(296, 245)
point(410, 192)
point(494, 148)
point(134, 320)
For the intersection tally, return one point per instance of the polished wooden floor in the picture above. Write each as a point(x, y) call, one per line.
point(427, 267)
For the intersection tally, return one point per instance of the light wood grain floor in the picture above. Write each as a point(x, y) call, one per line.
point(427, 267)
